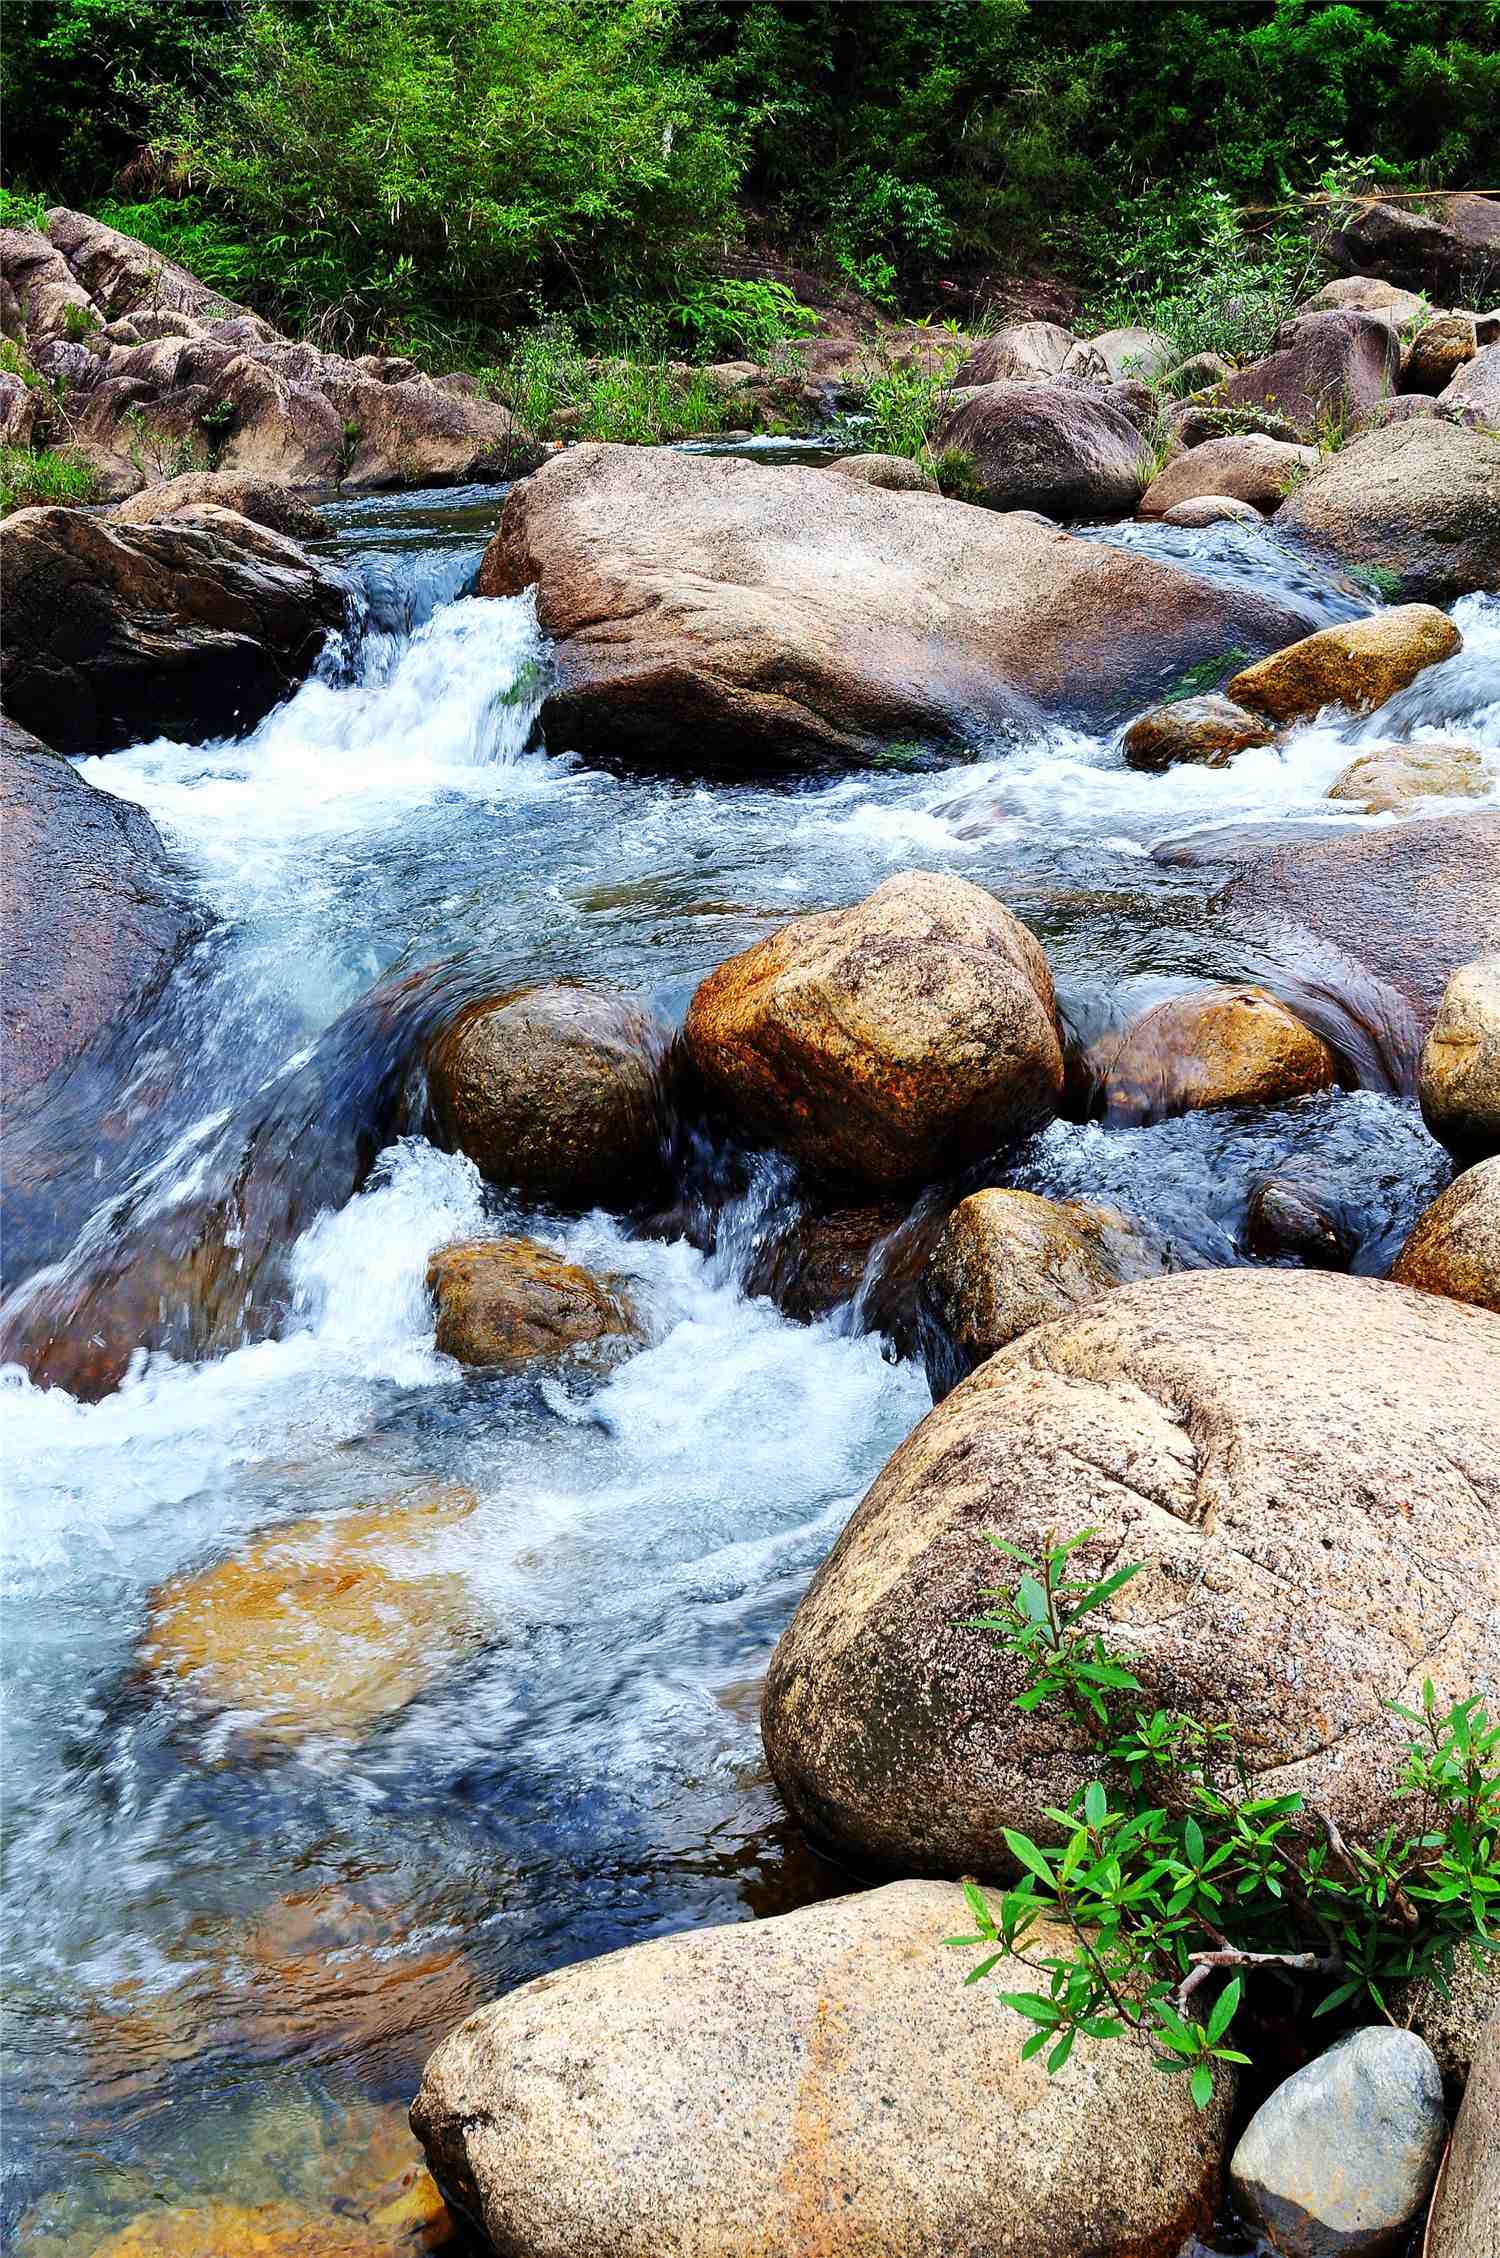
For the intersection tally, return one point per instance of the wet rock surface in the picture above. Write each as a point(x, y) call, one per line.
point(1210, 729)
point(1454, 1248)
point(509, 1302)
point(1211, 1047)
point(798, 2084)
point(1385, 778)
point(1358, 664)
point(1459, 1082)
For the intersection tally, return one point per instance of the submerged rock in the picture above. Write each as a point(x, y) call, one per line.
point(1359, 663)
point(888, 1042)
point(1009, 1260)
point(1459, 1080)
point(1247, 466)
point(713, 613)
point(1454, 1248)
point(1466, 2212)
point(193, 627)
point(1208, 730)
point(1052, 447)
point(95, 915)
point(1340, 2160)
point(511, 1302)
point(1211, 1047)
point(1418, 501)
point(1385, 777)
point(1240, 1433)
point(320, 1627)
point(246, 2230)
point(819, 2082)
point(557, 1091)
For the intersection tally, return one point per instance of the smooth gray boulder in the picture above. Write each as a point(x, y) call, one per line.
point(1340, 2160)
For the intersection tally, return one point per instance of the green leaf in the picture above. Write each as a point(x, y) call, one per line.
point(1201, 2085)
point(1025, 1853)
point(1223, 2010)
point(1034, 2006)
point(1095, 1804)
point(1060, 2053)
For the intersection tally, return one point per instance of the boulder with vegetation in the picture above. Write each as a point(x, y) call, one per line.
point(1440, 246)
point(1247, 466)
point(806, 2083)
point(1418, 502)
point(716, 614)
point(1063, 449)
point(1186, 1422)
point(95, 914)
point(191, 627)
point(886, 1043)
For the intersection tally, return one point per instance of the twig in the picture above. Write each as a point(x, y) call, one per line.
point(1205, 1963)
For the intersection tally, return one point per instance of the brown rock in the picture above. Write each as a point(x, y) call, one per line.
point(509, 1302)
point(1211, 509)
point(281, 431)
point(1026, 352)
point(1403, 407)
point(1358, 664)
point(1439, 244)
point(1366, 294)
point(1050, 447)
point(888, 1042)
point(1214, 1046)
point(1459, 1081)
point(1385, 777)
point(242, 2230)
point(417, 433)
point(898, 474)
point(1453, 2022)
point(263, 502)
point(1466, 2208)
point(1249, 467)
point(800, 2085)
point(1420, 500)
point(18, 412)
point(822, 1261)
point(185, 628)
point(1322, 368)
point(557, 1091)
point(712, 612)
point(1439, 350)
point(1454, 1247)
point(93, 912)
point(1473, 396)
point(1208, 730)
point(1246, 1435)
point(1008, 1260)
point(309, 1631)
point(121, 275)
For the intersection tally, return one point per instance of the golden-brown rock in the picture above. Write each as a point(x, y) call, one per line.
point(1308, 1467)
point(1359, 663)
point(556, 1091)
point(887, 1042)
point(1459, 1078)
point(819, 2085)
point(1454, 1247)
point(1440, 348)
point(1385, 777)
point(1247, 466)
point(322, 1626)
point(509, 1302)
point(243, 2230)
point(1213, 1046)
point(1208, 730)
point(1009, 1260)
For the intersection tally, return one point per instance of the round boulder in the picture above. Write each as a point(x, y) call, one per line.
point(898, 474)
point(1359, 663)
point(1454, 1248)
point(508, 1303)
point(1052, 447)
point(1420, 500)
point(1439, 350)
point(1211, 509)
point(1308, 1468)
point(1024, 351)
point(1212, 1046)
point(1459, 1078)
point(1009, 1260)
point(820, 2082)
point(1247, 466)
point(1385, 777)
point(1208, 730)
point(888, 1042)
point(556, 1091)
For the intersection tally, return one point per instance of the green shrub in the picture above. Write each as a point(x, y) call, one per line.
point(27, 479)
point(554, 389)
point(902, 406)
point(1182, 264)
point(1173, 1874)
point(17, 209)
point(728, 319)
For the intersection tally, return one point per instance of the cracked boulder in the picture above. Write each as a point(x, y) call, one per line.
point(1307, 1467)
point(819, 2085)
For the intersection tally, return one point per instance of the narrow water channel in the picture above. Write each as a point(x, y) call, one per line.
point(222, 1945)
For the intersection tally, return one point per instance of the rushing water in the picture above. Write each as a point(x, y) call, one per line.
point(221, 1945)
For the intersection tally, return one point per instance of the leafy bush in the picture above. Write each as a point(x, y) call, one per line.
point(27, 479)
point(902, 405)
point(1183, 265)
point(1172, 1873)
point(553, 387)
point(729, 318)
point(17, 209)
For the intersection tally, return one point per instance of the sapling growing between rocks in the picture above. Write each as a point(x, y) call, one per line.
point(1172, 1873)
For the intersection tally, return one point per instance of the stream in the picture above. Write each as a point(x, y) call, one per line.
point(224, 1954)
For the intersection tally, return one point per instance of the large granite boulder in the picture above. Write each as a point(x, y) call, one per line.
point(1472, 396)
point(192, 627)
point(1247, 466)
point(1359, 663)
point(1417, 501)
point(888, 1042)
point(1454, 1247)
point(95, 916)
point(1243, 1434)
point(1323, 370)
point(717, 613)
point(264, 501)
point(822, 2082)
point(1447, 247)
point(1059, 448)
point(1466, 2209)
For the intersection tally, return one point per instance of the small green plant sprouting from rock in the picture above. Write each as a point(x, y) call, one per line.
point(80, 322)
point(1378, 580)
point(1207, 675)
point(957, 475)
point(1171, 1874)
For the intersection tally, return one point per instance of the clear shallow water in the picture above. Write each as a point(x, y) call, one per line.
point(213, 1935)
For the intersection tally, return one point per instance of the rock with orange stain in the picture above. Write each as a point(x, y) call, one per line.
point(1215, 1046)
point(326, 1970)
point(241, 2230)
point(820, 2085)
point(322, 1626)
